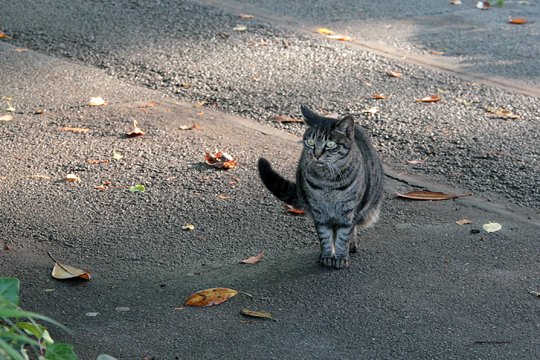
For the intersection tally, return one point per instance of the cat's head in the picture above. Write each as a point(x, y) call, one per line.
point(327, 141)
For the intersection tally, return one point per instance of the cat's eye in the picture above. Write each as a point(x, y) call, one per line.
point(310, 142)
point(331, 145)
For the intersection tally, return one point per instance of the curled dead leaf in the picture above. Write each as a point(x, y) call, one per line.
point(464, 222)
point(294, 211)
point(246, 16)
point(72, 178)
point(429, 99)
point(97, 161)
point(220, 160)
point(378, 96)
point(210, 297)
point(3, 35)
point(253, 259)
point(394, 74)
point(62, 271)
point(136, 131)
point(189, 227)
point(429, 195)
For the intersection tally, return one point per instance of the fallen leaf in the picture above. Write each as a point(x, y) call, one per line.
point(148, 104)
point(39, 111)
point(137, 188)
point(325, 31)
point(210, 297)
point(20, 49)
point(464, 222)
point(72, 178)
point(136, 131)
point(517, 21)
point(117, 156)
point(340, 37)
point(224, 197)
point(378, 96)
point(62, 271)
point(193, 126)
point(415, 162)
point(257, 314)
point(294, 211)
point(96, 101)
point(395, 74)
point(3, 35)
point(240, 28)
point(10, 108)
point(246, 16)
point(220, 160)
point(492, 227)
point(6, 117)
point(286, 119)
point(91, 314)
point(429, 195)
point(74, 129)
point(455, 2)
point(483, 5)
point(97, 161)
point(431, 98)
point(189, 227)
point(253, 259)
point(436, 52)
point(502, 113)
point(372, 110)
point(101, 187)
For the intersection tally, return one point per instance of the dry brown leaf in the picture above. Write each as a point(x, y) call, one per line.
point(20, 49)
point(220, 160)
point(429, 99)
point(455, 2)
point(246, 16)
point(74, 129)
point(415, 162)
point(224, 197)
point(6, 117)
point(257, 314)
point(517, 21)
point(464, 222)
point(136, 131)
point(503, 113)
point(62, 271)
point(395, 74)
point(483, 5)
point(286, 119)
point(325, 31)
point(429, 195)
point(378, 96)
point(3, 35)
point(253, 259)
point(210, 297)
point(148, 105)
point(40, 111)
point(294, 211)
point(436, 52)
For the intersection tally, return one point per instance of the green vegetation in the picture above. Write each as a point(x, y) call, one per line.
point(21, 335)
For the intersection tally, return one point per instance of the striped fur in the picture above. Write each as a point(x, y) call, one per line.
point(339, 181)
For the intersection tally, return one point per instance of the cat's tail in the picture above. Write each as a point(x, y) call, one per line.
point(282, 188)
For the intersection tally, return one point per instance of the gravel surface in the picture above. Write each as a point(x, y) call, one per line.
point(192, 52)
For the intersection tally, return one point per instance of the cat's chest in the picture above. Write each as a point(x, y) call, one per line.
point(329, 203)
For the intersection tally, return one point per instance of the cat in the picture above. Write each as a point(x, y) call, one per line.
point(339, 182)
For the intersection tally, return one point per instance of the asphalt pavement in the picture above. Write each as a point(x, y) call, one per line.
point(421, 286)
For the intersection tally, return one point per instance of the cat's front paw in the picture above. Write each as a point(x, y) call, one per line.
point(336, 263)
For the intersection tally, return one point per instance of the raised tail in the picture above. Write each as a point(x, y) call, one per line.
point(282, 188)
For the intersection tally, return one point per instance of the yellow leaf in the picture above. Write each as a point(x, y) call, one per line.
point(492, 227)
point(188, 227)
point(325, 31)
point(210, 297)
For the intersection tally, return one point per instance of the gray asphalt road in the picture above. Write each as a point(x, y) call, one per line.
point(421, 286)
point(192, 52)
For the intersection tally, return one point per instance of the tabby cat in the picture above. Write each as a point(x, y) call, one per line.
point(339, 181)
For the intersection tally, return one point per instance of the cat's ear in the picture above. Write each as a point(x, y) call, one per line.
point(313, 119)
point(345, 126)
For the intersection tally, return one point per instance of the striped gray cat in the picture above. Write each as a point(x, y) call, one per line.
point(339, 181)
